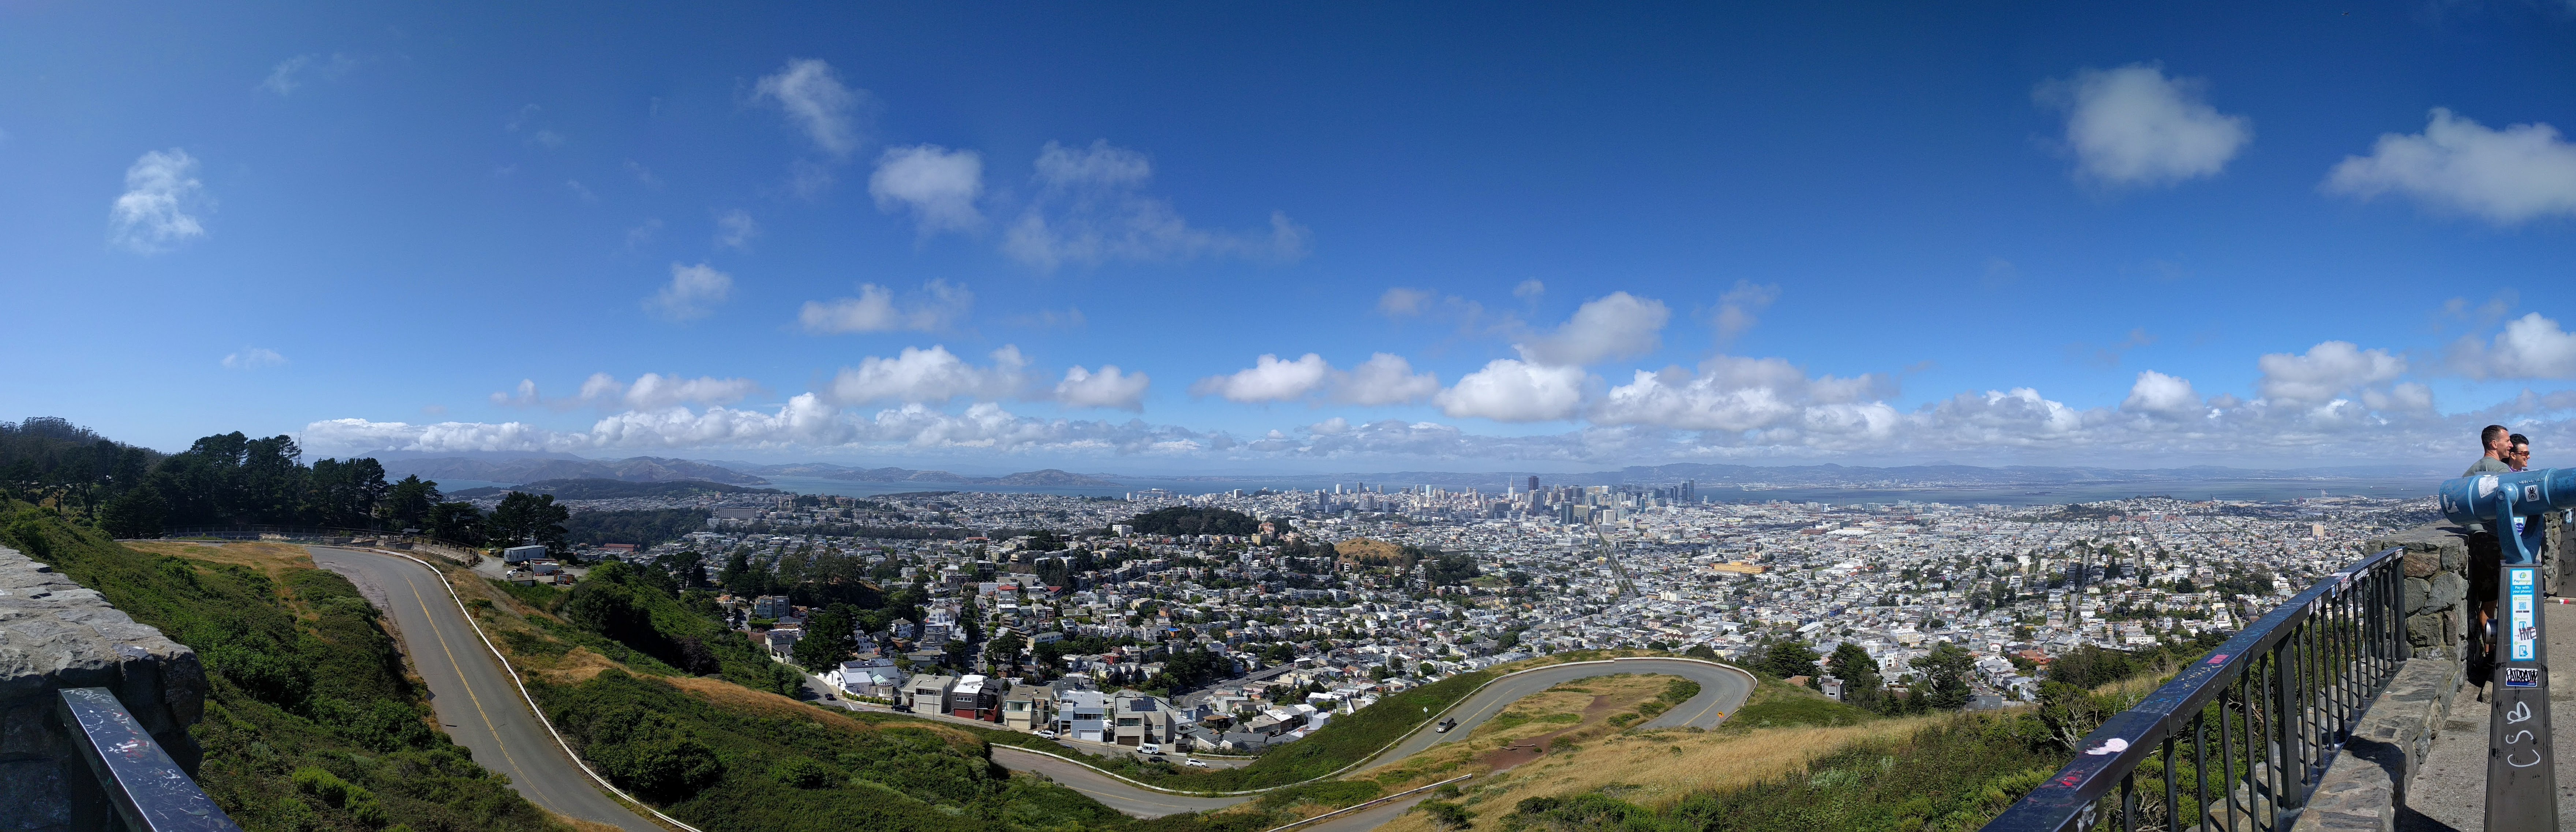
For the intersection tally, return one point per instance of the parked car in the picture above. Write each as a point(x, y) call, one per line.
point(1150, 750)
point(1046, 735)
point(1195, 762)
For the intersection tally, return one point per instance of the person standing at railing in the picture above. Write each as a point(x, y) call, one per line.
point(2485, 559)
point(2498, 442)
point(2518, 454)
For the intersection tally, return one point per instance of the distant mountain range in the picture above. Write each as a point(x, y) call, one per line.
point(535, 469)
point(1048, 478)
point(614, 489)
point(530, 468)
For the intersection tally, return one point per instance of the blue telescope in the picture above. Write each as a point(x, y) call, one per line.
point(2523, 496)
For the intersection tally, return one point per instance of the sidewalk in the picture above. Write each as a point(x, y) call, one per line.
point(2451, 793)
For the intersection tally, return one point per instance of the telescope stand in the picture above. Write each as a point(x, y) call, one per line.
point(2522, 779)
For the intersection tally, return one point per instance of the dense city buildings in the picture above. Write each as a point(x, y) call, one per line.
point(1290, 606)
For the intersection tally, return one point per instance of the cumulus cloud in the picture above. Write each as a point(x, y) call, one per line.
point(1384, 379)
point(650, 391)
point(735, 228)
point(250, 358)
point(2134, 126)
point(2327, 371)
point(816, 101)
point(2522, 172)
point(931, 376)
point(2163, 395)
point(1506, 390)
point(1529, 290)
point(1090, 208)
point(1401, 302)
point(159, 208)
point(1108, 388)
point(1736, 309)
point(938, 305)
point(1615, 326)
point(1731, 393)
point(694, 292)
point(2531, 346)
point(1269, 379)
point(939, 186)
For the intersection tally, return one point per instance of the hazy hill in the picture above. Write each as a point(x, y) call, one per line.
point(596, 489)
point(1045, 478)
point(633, 469)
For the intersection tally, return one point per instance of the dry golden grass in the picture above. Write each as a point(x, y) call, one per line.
point(1575, 712)
point(576, 667)
point(1654, 768)
point(271, 559)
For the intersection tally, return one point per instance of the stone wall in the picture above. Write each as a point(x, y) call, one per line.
point(56, 634)
point(2367, 782)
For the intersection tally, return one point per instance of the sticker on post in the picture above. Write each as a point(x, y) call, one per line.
point(2522, 677)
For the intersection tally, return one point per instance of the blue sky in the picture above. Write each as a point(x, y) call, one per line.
point(1510, 237)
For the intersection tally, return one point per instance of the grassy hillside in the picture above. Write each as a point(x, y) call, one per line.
point(310, 723)
point(653, 692)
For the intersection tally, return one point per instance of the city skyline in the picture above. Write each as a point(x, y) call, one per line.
point(1333, 241)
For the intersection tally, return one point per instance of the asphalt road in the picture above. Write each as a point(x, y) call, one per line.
point(1107, 790)
point(475, 698)
point(1721, 692)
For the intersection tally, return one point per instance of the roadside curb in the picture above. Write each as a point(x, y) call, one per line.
point(533, 707)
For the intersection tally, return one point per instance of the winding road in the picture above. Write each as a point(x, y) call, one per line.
point(481, 708)
point(476, 700)
point(1721, 691)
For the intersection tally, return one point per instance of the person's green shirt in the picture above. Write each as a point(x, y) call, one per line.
point(2487, 465)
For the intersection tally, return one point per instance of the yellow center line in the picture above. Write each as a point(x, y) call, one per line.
point(414, 586)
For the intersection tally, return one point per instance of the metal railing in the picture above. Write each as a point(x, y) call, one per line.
point(142, 787)
point(2240, 738)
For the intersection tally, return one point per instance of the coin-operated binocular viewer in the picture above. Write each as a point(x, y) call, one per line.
point(2511, 505)
point(2522, 783)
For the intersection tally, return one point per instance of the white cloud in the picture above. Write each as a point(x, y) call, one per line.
point(1384, 379)
point(694, 292)
point(1269, 379)
point(650, 391)
point(1731, 393)
point(814, 98)
point(2163, 395)
point(2134, 126)
point(2328, 370)
point(1108, 388)
point(1615, 326)
point(1529, 290)
point(1736, 308)
point(931, 376)
point(290, 74)
point(653, 391)
point(735, 228)
point(2531, 346)
point(250, 358)
point(2410, 398)
point(1090, 210)
point(156, 212)
point(938, 305)
point(1514, 391)
point(939, 186)
point(2507, 176)
point(643, 232)
point(1401, 302)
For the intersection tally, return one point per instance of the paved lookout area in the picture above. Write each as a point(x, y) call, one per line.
point(2450, 793)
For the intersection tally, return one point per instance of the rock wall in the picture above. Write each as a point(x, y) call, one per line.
point(56, 634)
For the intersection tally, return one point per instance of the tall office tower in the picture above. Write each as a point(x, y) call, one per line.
point(1533, 483)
